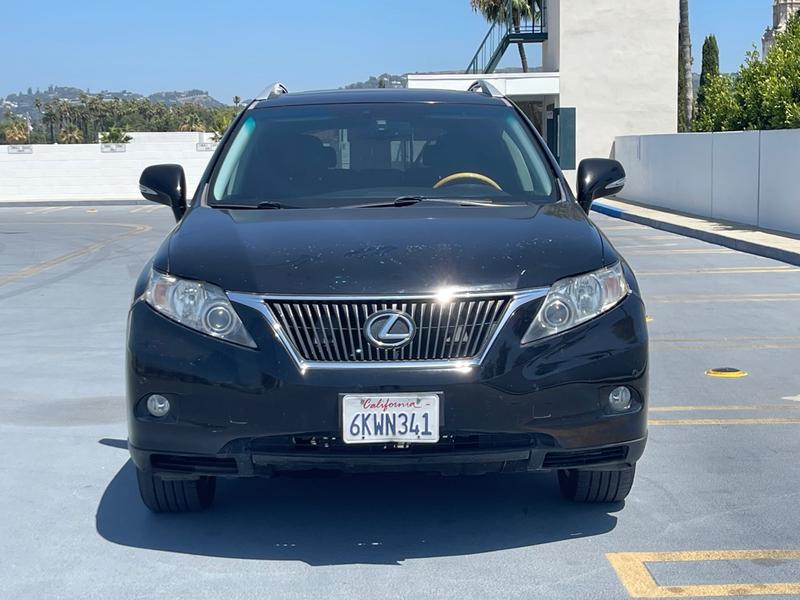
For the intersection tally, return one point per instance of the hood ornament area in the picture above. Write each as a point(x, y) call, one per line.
point(389, 329)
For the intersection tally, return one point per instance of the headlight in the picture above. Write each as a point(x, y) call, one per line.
point(196, 304)
point(575, 300)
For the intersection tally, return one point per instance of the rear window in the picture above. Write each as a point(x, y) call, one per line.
point(329, 155)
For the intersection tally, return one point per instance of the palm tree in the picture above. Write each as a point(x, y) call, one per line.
point(70, 134)
point(17, 131)
point(237, 100)
point(496, 11)
point(685, 93)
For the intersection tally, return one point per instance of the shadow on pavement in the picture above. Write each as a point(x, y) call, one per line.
point(374, 519)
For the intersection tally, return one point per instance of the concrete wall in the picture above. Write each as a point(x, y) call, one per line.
point(618, 61)
point(747, 177)
point(520, 86)
point(84, 172)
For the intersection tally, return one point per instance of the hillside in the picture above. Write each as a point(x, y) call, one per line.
point(24, 103)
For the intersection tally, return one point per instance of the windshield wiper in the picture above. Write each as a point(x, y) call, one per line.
point(411, 200)
point(268, 204)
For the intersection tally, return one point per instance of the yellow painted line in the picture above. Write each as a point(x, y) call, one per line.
point(726, 373)
point(53, 262)
point(683, 251)
point(632, 572)
point(777, 297)
point(725, 408)
point(721, 271)
point(775, 421)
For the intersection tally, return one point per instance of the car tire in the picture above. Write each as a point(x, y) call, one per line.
point(161, 495)
point(596, 486)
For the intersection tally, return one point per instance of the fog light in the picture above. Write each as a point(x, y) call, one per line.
point(157, 405)
point(619, 400)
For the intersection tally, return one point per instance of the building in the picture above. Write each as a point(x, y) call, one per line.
point(609, 68)
point(781, 11)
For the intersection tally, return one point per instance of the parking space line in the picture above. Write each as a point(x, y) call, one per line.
point(724, 408)
point(720, 271)
point(632, 571)
point(53, 262)
point(765, 421)
point(668, 251)
point(776, 297)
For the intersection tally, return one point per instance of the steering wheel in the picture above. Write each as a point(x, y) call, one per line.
point(467, 175)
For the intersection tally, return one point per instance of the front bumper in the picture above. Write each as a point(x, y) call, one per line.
point(244, 412)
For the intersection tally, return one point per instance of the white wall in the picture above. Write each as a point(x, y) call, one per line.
point(618, 61)
point(745, 177)
point(83, 172)
point(516, 85)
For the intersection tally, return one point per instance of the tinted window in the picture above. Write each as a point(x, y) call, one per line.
point(335, 154)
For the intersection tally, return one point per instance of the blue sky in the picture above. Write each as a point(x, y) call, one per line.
point(236, 47)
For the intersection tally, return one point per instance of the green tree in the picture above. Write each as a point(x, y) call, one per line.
point(764, 94)
point(496, 11)
point(115, 135)
point(192, 122)
point(719, 110)
point(710, 66)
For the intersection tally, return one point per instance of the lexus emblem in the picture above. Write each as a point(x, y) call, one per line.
point(389, 329)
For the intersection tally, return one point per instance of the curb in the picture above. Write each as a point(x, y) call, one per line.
point(786, 256)
point(46, 203)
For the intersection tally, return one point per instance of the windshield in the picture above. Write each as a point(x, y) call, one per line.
point(340, 154)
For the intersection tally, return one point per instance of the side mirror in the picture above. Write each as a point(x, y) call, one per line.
point(165, 184)
point(598, 178)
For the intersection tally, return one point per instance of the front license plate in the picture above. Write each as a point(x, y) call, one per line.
point(410, 418)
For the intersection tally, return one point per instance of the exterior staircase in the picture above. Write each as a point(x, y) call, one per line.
point(505, 32)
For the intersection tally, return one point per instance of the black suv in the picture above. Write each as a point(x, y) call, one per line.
point(384, 280)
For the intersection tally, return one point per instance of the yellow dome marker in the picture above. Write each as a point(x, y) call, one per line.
point(648, 318)
point(91, 210)
point(726, 372)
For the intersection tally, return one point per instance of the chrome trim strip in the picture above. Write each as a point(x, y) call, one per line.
point(258, 302)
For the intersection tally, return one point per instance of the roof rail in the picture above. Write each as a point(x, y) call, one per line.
point(482, 86)
point(272, 91)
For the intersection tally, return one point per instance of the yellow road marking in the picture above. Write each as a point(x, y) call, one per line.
point(724, 408)
point(726, 373)
point(777, 297)
point(721, 271)
point(53, 262)
point(775, 421)
point(639, 583)
point(91, 210)
point(683, 251)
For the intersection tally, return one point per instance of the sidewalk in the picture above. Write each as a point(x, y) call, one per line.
point(740, 237)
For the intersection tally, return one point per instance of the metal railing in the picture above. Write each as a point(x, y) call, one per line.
point(506, 31)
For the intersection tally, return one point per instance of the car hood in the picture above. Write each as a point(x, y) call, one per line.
point(397, 250)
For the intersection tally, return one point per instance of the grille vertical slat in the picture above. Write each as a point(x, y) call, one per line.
point(304, 329)
point(333, 330)
point(477, 331)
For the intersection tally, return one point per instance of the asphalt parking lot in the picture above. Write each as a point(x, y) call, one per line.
point(715, 510)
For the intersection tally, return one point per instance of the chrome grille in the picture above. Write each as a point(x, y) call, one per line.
point(332, 330)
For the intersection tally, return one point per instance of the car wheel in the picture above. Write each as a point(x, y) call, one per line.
point(596, 486)
point(161, 495)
